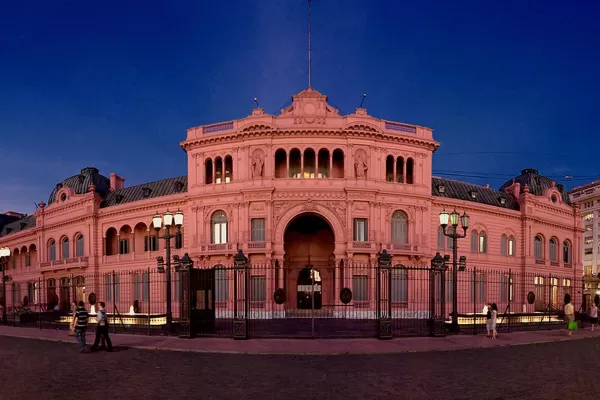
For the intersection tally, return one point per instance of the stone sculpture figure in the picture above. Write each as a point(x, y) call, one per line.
point(257, 166)
point(361, 166)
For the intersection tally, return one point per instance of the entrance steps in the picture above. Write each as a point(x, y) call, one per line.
point(298, 313)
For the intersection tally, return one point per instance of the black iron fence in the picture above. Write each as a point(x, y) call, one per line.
point(351, 300)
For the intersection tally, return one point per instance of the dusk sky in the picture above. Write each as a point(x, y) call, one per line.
point(114, 84)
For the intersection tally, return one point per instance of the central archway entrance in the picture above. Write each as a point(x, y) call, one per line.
point(309, 244)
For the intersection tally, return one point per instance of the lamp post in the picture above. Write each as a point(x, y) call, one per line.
point(4, 253)
point(169, 220)
point(453, 220)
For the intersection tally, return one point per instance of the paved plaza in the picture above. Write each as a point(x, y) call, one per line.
point(553, 370)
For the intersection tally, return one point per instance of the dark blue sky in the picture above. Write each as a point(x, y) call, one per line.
point(114, 84)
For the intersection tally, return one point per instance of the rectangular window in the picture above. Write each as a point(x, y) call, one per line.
point(399, 230)
point(503, 245)
point(30, 292)
point(361, 230)
point(79, 252)
point(511, 247)
point(124, 246)
point(503, 288)
point(151, 243)
point(65, 249)
point(400, 285)
point(107, 288)
point(177, 287)
point(221, 285)
point(136, 287)
point(145, 286)
point(117, 290)
point(259, 288)
point(219, 232)
point(440, 239)
point(360, 287)
point(474, 242)
point(257, 232)
point(449, 286)
point(27, 259)
point(481, 293)
point(449, 241)
point(179, 240)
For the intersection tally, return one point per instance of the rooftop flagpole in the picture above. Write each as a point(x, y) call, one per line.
point(309, 58)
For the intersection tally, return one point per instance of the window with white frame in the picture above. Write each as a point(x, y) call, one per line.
point(361, 230)
point(482, 242)
point(511, 246)
point(440, 239)
point(399, 227)
point(219, 227)
point(257, 229)
point(258, 287)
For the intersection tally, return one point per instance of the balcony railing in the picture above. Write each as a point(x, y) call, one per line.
point(139, 256)
point(402, 248)
point(73, 262)
point(540, 262)
point(257, 245)
point(362, 245)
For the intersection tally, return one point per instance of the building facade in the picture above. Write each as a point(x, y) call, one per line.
point(307, 186)
point(587, 198)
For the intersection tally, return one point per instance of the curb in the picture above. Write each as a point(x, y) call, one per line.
point(313, 353)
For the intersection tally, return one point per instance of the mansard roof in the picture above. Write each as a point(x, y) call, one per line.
point(145, 191)
point(538, 184)
point(81, 182)
point(27, 222)
point(478, 194)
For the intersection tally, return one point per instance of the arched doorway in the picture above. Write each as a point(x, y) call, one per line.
point(309, 244)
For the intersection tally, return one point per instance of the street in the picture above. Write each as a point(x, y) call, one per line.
point(51, 370)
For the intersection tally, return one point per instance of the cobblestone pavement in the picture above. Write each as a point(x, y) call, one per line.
point(39, 369)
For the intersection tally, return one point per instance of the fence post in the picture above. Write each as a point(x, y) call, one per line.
point(148, 288)
point(474, 288)
point(114, 290)
point(39, 301)
point(510, 294)
point(384, 269)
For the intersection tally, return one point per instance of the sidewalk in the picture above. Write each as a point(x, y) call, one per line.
point(310, 347)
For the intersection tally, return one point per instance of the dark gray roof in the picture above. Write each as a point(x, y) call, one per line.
point(464, 191)
point(145, 191)
point(27, 222)
point(80, 183)
point(538, 184)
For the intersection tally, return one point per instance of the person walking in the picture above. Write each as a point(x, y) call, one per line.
point(488, 319)
point(102, 329)
point(569, 314)
point(494, 319)
point(594, 316)
point(81, 322)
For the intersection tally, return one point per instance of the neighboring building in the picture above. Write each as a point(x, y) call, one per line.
point(305, 184)
point(587, 197)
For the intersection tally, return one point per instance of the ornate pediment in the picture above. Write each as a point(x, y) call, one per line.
point(309, 107)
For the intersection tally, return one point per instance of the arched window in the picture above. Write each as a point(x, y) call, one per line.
point(474, 241)
point(449, 240)
point(399, 227)
point(228, 169)
point(511, 246)
point(503, 245)
point(52, 250)
point(79, 248)
point(64, 248)
point(538, 249)
point(389, 169)
point(482, 242)
point(399, 284)
point(567, 252)
point(410, 166)
point(219, 227)
point(280, 163)
point(440, 239)
point(400, 170)
point(208, 171)
point(553, 250)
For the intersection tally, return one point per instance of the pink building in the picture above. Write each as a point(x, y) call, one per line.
point(307, 184)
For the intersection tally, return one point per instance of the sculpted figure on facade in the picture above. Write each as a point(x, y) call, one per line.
point(257, 165)
point(360, 164)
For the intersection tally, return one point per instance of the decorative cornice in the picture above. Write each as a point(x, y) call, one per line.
point(307, 132)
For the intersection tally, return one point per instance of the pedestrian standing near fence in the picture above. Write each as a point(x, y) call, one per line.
point(487, 310)
point(494, 319)
point(594, 316)
point(102, 328)
point(81, 322)
point(570, 315)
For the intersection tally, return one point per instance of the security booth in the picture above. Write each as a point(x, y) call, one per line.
point(198, 299)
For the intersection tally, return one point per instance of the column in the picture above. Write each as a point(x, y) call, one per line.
point(331, 164)
point(133, 241)
point(287, 164)
point(317, 165)
point(223, 169)
point(302, 164)
point(214, 170)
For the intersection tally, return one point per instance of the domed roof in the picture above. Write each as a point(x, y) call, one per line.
point(538, 184)
point(80, 183)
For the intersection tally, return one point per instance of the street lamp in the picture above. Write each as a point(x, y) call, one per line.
point(453, 220)
point(4, 253)
point(168, 219)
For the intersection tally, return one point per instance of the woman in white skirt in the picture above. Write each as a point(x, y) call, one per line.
point(493, 319)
